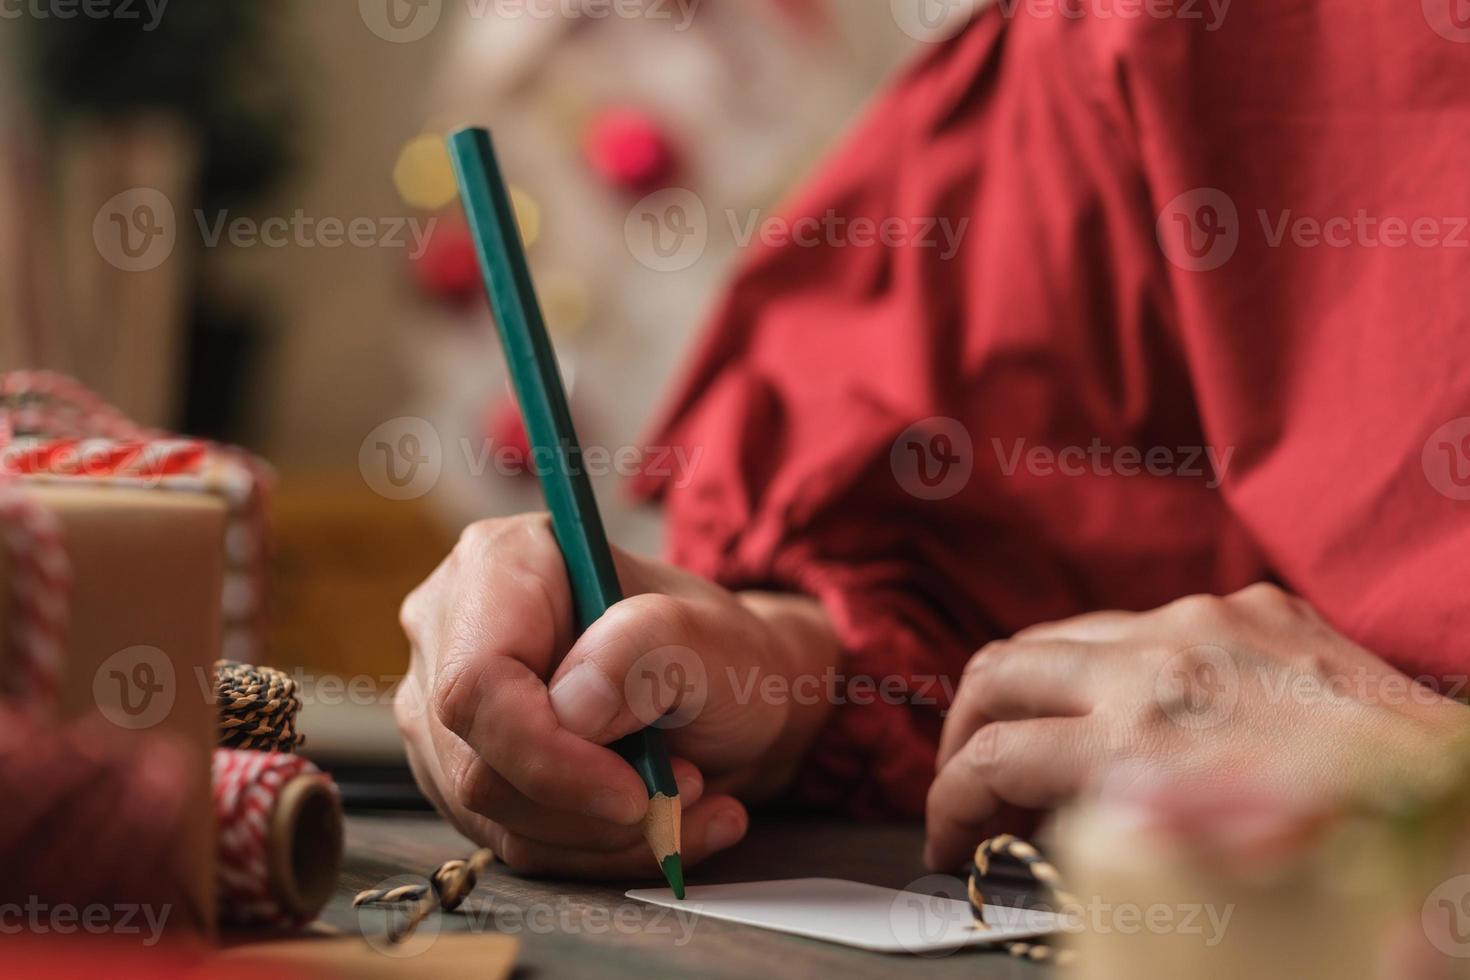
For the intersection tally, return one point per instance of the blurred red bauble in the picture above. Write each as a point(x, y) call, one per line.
point(629, 150)
point(809, 16)
point(507, 434)
point(448, 270)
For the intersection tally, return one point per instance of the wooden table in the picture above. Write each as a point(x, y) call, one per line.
point(588, 929)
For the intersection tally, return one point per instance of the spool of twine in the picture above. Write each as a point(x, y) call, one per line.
point(257, 708)
point(280, 838)
point(279, 817)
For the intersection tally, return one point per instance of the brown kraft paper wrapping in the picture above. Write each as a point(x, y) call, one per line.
point(142, 635)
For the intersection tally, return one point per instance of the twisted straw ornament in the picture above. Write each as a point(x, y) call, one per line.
point(450, 884)
point(1042, 871)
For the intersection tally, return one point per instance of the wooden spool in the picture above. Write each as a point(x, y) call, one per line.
point(304, 846)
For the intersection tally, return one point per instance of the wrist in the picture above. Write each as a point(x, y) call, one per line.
point(802, 648)
point(1414, 746)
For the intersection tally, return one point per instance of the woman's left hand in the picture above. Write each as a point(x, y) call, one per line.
point(1253, 686)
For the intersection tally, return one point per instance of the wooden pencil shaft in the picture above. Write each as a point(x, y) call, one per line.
point(535, 377)
point(544, 410)
point(664, 830)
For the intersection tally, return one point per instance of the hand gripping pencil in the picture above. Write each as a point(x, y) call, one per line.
point(543, 401)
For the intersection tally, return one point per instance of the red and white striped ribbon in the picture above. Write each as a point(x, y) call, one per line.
point(40, 587)
point(246, 786)
point(60, 407)
point(128, 459)
point(53, 429)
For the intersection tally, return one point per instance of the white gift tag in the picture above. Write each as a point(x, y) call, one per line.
point(869, 917)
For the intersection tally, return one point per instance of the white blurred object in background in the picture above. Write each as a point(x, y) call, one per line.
point(746, 98)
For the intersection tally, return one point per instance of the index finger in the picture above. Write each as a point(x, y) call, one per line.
point(500, 708)
point(1038, 763)
point(1011, 680)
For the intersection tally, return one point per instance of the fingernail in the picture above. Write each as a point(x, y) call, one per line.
point(584, 701)
point(725, 830)
point(690, 784)
point(614, 808)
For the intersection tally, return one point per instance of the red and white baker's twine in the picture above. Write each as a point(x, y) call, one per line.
point(61, 408)
point(118, 460)
point(246, 786)
point(40, 588)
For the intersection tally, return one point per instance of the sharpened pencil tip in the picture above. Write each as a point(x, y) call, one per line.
point(673, 869)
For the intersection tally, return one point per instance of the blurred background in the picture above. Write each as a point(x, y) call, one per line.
point(235, 219)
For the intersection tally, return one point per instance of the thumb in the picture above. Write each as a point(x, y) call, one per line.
point(690, 667)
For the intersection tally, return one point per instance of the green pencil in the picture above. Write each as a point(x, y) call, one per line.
point(543, 401)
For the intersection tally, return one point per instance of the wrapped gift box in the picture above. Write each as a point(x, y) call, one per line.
point(141, 634)
point(129, 563)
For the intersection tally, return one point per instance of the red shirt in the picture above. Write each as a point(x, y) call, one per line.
point(1250, 240)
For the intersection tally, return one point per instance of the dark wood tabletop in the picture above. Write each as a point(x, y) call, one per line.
point(588, 929)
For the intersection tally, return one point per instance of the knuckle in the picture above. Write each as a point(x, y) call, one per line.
point(1027, 632)
point(673, 616)
point(1265, 594)
point(960, 707)
point(519, 553)
point(1200, 610)
point(473, 786)
point(987, 658)
point(451, 697)
point(411, 613)
point(986, 749)
point(496, 533)
point(1263, 590)
point(408, 706)
point(534, 523)
point(484, 534)
point(538, 781)
point(1312, 665)
point(408, 609)
point(1152, 717)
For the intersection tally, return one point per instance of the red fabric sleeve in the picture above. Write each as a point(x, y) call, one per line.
point(821, 357)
